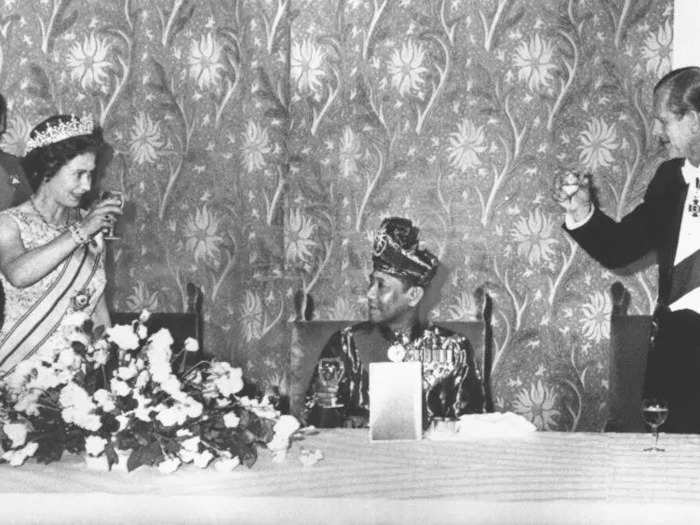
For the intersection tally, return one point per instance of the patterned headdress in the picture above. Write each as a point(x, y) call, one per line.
point(396, 252)
point(74, 127)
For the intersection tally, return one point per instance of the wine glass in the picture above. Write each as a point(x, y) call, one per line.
point(109, 232)
point(654, 412)
point(330, 372)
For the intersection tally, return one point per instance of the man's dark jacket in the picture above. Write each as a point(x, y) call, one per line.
point(654, 225)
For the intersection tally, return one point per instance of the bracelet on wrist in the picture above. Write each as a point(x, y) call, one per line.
point(78, 234)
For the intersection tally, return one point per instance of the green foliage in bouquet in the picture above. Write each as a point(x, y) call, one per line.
point(117, 391)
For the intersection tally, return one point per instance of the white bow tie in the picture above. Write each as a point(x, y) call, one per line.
point(690, 173)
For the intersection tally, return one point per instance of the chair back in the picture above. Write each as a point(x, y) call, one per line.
point(180, 324)
point(629, 346)
point(309, 338)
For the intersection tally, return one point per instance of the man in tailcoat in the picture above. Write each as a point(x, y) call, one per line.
point(667, 223)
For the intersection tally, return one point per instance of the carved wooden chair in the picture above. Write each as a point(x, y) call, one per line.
point(180, 324)
point(309, 338)
point(629, 346)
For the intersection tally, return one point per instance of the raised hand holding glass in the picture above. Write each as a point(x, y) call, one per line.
point(109, 232)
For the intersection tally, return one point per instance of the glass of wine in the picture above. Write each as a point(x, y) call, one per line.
point(110, 233)
point(654, 412)
point(330, 372)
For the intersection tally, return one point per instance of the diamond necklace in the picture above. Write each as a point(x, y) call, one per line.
point(43, 219)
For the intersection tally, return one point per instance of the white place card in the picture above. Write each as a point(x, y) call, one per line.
point(395, 401)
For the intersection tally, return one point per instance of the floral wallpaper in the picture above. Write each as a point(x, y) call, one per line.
point(260, 143)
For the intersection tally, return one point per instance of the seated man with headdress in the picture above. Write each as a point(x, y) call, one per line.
point(338, 392)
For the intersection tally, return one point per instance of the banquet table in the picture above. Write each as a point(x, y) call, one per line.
point(541, 477)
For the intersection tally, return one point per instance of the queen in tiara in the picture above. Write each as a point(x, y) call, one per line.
point(51, 257)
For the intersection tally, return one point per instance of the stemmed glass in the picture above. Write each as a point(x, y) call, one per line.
point(654, 412)
point(109, 233)
point(330, 371)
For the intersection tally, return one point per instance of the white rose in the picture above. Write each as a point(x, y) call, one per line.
point(123, 421)
point(119, 387)
point(17, 432)
point(45, 378)
point(123, 336)
point(95, 445)
point(68, 359)
point(100, 356)
point(28, 403)
point(18, 457)
point(171, 385)
point(104, 399)
point(161, 339)
point(286, 426)
point(160, 370)
point(75, 397)
point(203, 459)
point(170, 465)
point(231, 383)
point(191, 344)
point(143, 410)
point(20, 375)
point(226, 465)
point(172, 416)
point(231, 420)
point(145, 316)
point(191, 444)
point(193, 408)
point(143, 379)
point(143, 413)
point(187, 456)
point(142, 331)
point(127, 372)
point(87, 421)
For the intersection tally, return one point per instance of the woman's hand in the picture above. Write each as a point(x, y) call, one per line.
point(573, 191)
point(102, 215)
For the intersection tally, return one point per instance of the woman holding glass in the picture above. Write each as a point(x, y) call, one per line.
point(51, 251)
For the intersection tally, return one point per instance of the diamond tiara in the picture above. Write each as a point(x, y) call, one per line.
point(62, 131)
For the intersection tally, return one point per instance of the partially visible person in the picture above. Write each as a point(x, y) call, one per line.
point(667, 223)
point(395, 331)
point(14, 187)
point(51, 254)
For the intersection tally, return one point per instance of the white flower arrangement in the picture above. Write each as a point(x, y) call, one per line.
point(121, 396)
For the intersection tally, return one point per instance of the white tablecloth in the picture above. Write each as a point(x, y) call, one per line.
point(547, 477)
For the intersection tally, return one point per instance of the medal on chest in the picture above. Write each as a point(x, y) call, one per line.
point(694, 205)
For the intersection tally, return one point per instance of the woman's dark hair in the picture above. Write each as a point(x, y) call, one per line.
point(44, 162)
point(683, 88)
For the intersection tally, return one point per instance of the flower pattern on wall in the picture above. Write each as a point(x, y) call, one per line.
point(535, 64)
point(307, 65)
point(597, 144)
point(259, 144)
point(205, 62)
point(657, 50)
point(88, 62)
point(406, 68)
point(465, 146)
point(538, 404)
point(146, 139)
point(534, 235)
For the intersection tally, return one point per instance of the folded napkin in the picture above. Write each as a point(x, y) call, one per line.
point(484, 426)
